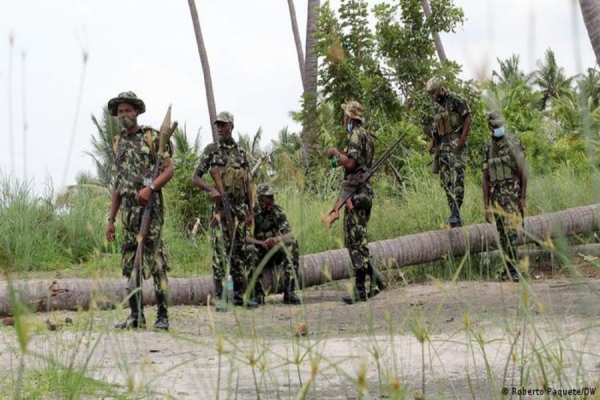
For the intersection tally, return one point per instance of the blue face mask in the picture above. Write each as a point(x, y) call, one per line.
point(349, 127)
point(498, 132)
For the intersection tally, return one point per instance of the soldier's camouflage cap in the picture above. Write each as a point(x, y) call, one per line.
point(126, 97)
point(433, 85)
point(264, 189)
point(224, 116)
point(494, 118)
point(354, 110)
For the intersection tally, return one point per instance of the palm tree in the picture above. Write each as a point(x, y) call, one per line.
point(210, 97)
point(590, 9)
point(102, 152)
point(439, 47)
point(551, 79)
point(510, 73)
point(589, 85)
point(297, 40)
point(310, 80)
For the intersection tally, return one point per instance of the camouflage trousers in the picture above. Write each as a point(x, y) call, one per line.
point(504, 199)
point(452, 162)
point(155, 259)
point(229, 252)
point(355, 231)
point(284, 260)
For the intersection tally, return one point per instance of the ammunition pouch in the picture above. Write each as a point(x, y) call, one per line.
point(235, 180)
point(501, 168)
point(447, 123)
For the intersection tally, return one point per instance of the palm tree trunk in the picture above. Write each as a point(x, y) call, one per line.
point(210, 97)
point(319, 268)
point(297, 40)
point(590, 9)
point(309, 130)
point(436, 36)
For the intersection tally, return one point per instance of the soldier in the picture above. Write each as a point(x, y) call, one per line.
point(226, 161)
point(357, 158)
point(272, 230)
point(136, 149)
point(505, 188)
point(452, 125)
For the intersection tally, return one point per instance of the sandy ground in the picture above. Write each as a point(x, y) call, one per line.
point(479, 337)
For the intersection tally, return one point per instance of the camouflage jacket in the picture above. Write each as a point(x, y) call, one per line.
point(501, 157)
point(134, 161)
point(361, 148)
point(456, 107)
point(270, 223)
point(219, 154)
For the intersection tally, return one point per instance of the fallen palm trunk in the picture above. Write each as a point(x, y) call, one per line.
point(68, 294)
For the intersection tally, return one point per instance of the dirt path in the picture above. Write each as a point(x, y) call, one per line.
point(479, 338)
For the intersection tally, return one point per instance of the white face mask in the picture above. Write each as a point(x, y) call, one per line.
point(498, 132)
point(350, 126)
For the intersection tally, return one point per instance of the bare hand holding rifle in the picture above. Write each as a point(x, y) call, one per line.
point(359, 181)
point(222, 200)
point(166, 130)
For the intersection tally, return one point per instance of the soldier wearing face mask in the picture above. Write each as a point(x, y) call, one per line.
point(504, 189)
point(452, 124)
point(231, 162)
point(135, 155)
point(273, 238)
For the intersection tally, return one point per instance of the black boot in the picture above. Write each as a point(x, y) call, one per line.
point(289, 296)
point(509, 273)
point(136, 319)
point(378, 283)
point(162, 315)
point(359, 293)
point(238, 296)
point(220, 297)
point(454, 221)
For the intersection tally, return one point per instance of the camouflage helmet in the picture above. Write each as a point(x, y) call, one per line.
point(224, 116)
point(433, 85)
point(494, 118)
point(354, 110)
point(126, 97)
point(264, 189)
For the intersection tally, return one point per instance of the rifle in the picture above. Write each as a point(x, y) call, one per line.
point(166, 130)
point(358, 181)
point(225, 206)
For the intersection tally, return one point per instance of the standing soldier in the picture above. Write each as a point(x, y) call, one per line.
point(272, 230)
point(504, 188)
point(228, 165)
point(357, 158)
point(452, 122)
point(136, 153)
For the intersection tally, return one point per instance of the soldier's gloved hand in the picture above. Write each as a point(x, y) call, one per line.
point(144, 196)
point(488, 215)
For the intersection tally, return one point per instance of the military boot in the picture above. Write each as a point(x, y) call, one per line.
point(136, 320)
point(454, 221)
point(238, 296)
point(289, 296)
point(509, 273)
point(162, 315)
point(378, 283)
point(220, 297)
point(359, 293)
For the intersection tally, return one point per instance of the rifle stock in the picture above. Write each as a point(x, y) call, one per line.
point(225, 206)
point(166, 130)
point(358, 180)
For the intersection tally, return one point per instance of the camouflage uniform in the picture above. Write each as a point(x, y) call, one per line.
point(228, 250)
point(500, 160)
point(286, 259)
point(448, 122)
point(133, 170)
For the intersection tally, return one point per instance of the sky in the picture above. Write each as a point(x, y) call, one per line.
point(48, 93)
